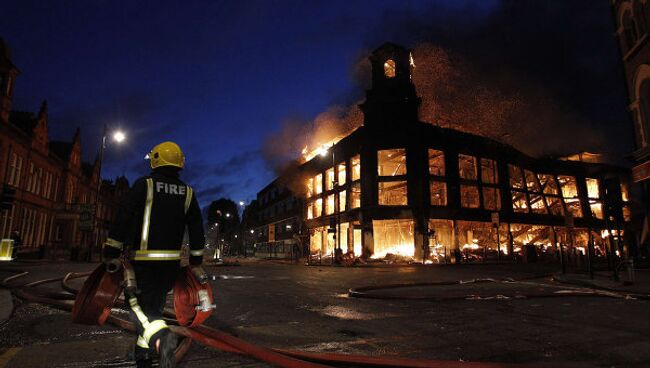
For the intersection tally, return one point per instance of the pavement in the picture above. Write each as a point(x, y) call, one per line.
point(6, 305)
point(307, 308)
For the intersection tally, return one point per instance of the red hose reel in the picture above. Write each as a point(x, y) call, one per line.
point(193, 301)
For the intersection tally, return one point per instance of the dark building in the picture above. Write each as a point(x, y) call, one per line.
point(397, 185)
point(632, 19)
point(54, 188)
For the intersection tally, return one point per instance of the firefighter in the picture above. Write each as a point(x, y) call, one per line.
point(149, 230)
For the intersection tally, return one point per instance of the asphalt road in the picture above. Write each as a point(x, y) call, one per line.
point(307, 308)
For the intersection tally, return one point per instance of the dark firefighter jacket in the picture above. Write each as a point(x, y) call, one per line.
point(152, 221)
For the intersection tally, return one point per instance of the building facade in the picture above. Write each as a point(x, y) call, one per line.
point(399, 186)
point(632, 19)
point(55, 190)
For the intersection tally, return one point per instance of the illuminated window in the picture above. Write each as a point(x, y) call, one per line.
point(318, 184)
point(555, 205)
point(469, 197)
point(329, 174)
point(548, 184)
point(310, 211)
point(310, 187)
point(569, 191)
point(625, 196)
point(355, 196)
point(342, 203)
point(593, 192)
point(438, 191)
point(356, 167)
point(489, 173)
point(318, 207)
point(519, 202)
point(531, 182)
point(537, 204)
point(329, 208)
point(341, 173)
point(593, 188)
point(516, 179)
point(467, 167)
point(392, 193)
point(389, 68)
point(391, 162)
point(436, 162)
point(394, 237)
point(491, 199)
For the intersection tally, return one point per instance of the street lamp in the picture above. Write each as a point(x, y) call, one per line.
point(119, 137)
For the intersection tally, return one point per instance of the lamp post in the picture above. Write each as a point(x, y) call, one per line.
point(118, 137)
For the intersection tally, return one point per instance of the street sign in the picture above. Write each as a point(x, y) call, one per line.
point(641, 172)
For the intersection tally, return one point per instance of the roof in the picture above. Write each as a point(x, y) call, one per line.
point(24, 120)
point(61, 149)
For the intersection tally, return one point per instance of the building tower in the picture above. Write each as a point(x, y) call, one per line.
point(8, 73)
point(392, 99)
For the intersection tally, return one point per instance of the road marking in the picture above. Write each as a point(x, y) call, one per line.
point(7, 356)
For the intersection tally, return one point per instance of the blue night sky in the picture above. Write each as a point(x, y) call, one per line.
point(217, 77)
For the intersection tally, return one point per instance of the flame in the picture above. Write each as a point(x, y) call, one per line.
point(404, 249)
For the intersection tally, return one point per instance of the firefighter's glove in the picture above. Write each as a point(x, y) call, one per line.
point(200, 274)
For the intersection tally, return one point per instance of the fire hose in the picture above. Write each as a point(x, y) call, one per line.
point(220, 340)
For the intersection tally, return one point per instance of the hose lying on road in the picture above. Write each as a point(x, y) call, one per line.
point(220, 340)
point(367, 291)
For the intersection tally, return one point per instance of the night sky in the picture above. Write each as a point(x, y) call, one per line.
point(221, 78)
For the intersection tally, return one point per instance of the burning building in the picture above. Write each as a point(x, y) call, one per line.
point(397, 185)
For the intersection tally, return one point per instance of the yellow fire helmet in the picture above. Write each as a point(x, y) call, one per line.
point(166, 154)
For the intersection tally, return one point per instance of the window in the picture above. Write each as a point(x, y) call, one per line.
point(519, 202)
point(469, 197)
point(531, 182)
point(341, 173)
point(318, 207)
point(310, 187)
point(467, 167)
point(389, 68)
point(548, 184)
point(491, 199)
point(355, 162)
point(516, 179)
point(318, 183)
point(391, 162)
point(593, 192)
point(355, 196)
point(436, 162)
point(342, 202)
point(329, 208)
point(394, 237)
point(392, 193)
point(625, 198)
point(438, 190)
point(329, 174)
point(15, 170)
point(537, 203)
point(569, 191)
point(489, 173)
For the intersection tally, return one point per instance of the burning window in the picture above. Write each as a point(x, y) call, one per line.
point(341, 173)
point(393, 237)
point(478, 240)
point(519, 202)
point(593, 192)
point(531, 182)
point(569, 191)
point(537, 204)
point(541, 237)
point(355, 163)
point(467, 167)
point(389, 68)
point(318, 184)
point(310, 187)
point(549, 186)
point(342, 235)
point(318, 207)
point(441, 240)
point(310, 211)
point(436, 162)
point(516, 179)
point(342, 202)
point(391, 162)
point(392, 193)
point(555, 205)
point(316, 240)
point(355, 195)
point(329, 208)
point(329, 174)
point(356, 238)
point(491, 199)
point(469, 197)
point(625, 197)
point(438, 190)
point(489, 173)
